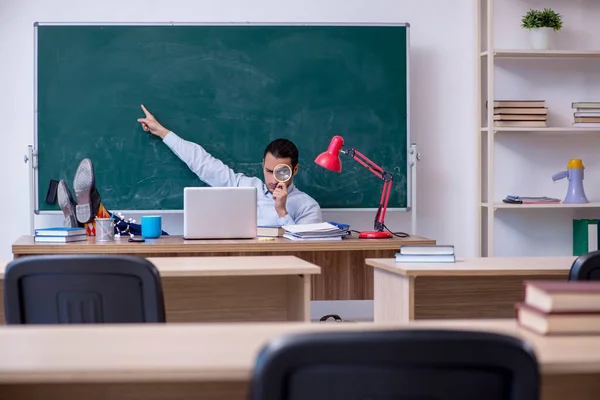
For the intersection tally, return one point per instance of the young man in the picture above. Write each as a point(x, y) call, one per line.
point(277, 204)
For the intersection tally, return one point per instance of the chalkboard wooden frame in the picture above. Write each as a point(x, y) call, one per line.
point(36, 189)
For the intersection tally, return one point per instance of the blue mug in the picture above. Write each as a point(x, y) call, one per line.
point(151, 226)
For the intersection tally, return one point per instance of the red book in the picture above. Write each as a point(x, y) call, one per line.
point(558, 323)
point(563, 296)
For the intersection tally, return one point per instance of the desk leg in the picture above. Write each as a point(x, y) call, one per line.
point(393, 297)
point(298, 298)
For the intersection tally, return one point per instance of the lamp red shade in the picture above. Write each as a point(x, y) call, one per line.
point(330, 160)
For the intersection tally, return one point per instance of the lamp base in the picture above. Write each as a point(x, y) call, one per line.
point(374, 235)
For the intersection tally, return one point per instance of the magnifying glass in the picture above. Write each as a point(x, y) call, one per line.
point(282, 173)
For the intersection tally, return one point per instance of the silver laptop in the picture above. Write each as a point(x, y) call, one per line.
point(219, 212)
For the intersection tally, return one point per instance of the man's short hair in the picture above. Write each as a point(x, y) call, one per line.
point(283, 148)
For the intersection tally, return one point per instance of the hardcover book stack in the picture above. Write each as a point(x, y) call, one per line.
point(60, 235)
point(586, 114)
point(560, 307)
point(520, 113)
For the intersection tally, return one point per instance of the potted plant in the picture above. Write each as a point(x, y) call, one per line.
point(541, 25)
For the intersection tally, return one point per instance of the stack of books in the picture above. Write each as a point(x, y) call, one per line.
point(560, 307)
point(60, 235)
point(587, 114)
point(520, 113)
point(321, 231)
point(425, 253)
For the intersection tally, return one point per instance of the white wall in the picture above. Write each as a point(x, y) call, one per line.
point(443, 100)
point(525, 162)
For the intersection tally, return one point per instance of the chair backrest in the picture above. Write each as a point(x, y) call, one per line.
point(397, 364)
point(71, 289)
point(586, 267)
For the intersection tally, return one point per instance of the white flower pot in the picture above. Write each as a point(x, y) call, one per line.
point(541, 38)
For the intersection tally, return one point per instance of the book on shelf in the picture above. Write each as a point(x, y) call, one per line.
point(520, 113)
point(560, 307)
point(593, 120)
point(585, 236)
point(510, 199)
point(60, 231)
point(521, 124)
point(595, 114)
point(519, 117)
point(423, 253)
point(539, 112)
point(586, 114)
point(585, 125)
point(59, 239)
point(270, 231)
point(586, 105)
point(519, 103)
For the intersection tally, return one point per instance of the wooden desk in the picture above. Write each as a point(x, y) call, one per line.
point(231, 289)
point(209, 361)
point(485, 287)
point(344, 275)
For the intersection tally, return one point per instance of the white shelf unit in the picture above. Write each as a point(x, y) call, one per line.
point(529, 206)
point(491, 54)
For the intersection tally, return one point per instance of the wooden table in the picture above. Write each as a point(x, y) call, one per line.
point(209, 361)
point(344, 275)
point(231, 289)
point(485, 287)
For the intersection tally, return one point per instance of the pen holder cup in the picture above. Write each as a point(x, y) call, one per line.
point(105, 229)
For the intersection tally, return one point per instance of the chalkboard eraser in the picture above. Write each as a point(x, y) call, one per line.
point(51, 195)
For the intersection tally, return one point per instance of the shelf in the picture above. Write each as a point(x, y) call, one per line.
point(552, 205)
point(543, 53)
point(555, 130)
point(509, 69)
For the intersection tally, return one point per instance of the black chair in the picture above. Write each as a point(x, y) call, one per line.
point(586, 267)
point(72, 289)
point(399, 365)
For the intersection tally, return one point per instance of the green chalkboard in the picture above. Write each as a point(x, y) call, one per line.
point(230, 88)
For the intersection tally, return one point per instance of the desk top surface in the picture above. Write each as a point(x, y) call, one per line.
point(225, 266)
point(222, 352)
point(176, 244)
point(479, 266)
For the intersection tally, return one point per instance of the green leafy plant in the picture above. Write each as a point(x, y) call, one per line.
point(547, 18)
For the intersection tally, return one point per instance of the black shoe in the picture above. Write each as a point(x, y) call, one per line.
point(88, 198)
point(67, 204)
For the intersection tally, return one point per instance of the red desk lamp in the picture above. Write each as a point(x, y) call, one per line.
point(331, 161)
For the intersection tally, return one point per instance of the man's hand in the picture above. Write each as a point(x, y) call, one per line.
point(150, 124)
point(280, 196)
